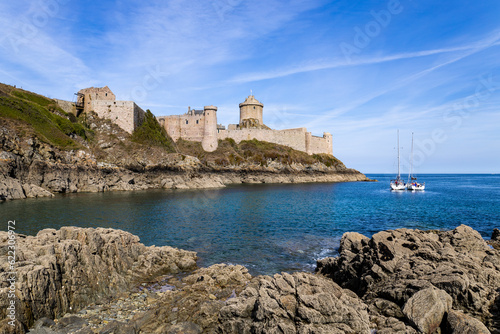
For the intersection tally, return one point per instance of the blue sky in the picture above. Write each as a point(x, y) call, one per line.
point(358, 69)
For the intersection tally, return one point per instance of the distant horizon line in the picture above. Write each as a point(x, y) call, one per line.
point(469, 173)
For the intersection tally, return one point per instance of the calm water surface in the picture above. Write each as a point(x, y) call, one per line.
point(270, 228)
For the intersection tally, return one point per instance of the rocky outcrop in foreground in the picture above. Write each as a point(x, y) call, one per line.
point(63, 271)
point(401, 281)
point(429, 279)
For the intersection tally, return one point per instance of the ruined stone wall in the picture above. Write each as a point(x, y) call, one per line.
point(93, 94)
point(126, 114)
point(67, 106)
point(171, 124)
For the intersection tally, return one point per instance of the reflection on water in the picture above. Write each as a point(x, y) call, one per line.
point(269, 228)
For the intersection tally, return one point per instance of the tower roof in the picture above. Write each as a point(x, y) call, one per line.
point(251, 101)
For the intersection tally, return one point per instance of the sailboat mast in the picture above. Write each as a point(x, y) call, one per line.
point(411, 157)
point(398, 154)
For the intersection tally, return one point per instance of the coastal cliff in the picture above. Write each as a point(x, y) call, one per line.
point(83, 280)
point(44, 150)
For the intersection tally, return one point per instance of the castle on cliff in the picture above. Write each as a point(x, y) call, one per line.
point(200, 125)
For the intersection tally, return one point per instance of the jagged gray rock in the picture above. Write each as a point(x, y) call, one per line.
point(61, 271)
point(294, 303)
point(458, 322)
point(195, 304)
point(426, 309)
point(394, 265)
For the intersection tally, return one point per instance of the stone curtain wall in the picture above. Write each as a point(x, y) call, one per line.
point(203, 128)
point(177, 127)
point(298, 139)
point(126, 114)
point(294, 138)
point(321, 144)
point(172, 126)
point(200, 128)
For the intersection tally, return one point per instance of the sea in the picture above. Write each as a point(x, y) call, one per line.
point(270, 228)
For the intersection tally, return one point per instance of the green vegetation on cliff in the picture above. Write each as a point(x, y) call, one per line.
point(152, 134)
point(254, 151)
point(42, 115)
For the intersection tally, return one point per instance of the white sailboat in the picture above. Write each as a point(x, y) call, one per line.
point(398, 183)
point(413, 184)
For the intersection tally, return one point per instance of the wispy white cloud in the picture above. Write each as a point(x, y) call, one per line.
point(30, 45)
point(470, 50)
point(321, 64)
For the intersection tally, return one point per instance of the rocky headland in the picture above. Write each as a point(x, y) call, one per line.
point(45, 151)
point(83, 280)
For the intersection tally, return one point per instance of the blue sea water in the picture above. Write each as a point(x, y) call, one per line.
point(270, 228)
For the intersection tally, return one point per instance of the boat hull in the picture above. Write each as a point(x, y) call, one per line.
point(414, 187)
point(398, 186)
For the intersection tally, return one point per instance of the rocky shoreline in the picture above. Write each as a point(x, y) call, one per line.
point(29, 167)
point(84, 280)
point(40, 178)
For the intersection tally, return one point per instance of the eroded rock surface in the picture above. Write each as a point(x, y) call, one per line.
point(404, 281)
point(65, 270)
point(394, 266)
point(294, 303)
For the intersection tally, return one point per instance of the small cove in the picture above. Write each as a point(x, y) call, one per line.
point(269, 227)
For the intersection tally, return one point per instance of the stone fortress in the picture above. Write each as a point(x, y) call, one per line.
point(199, 125)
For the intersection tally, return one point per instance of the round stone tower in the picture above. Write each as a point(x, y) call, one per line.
point(251, 109)
point(209, 141)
